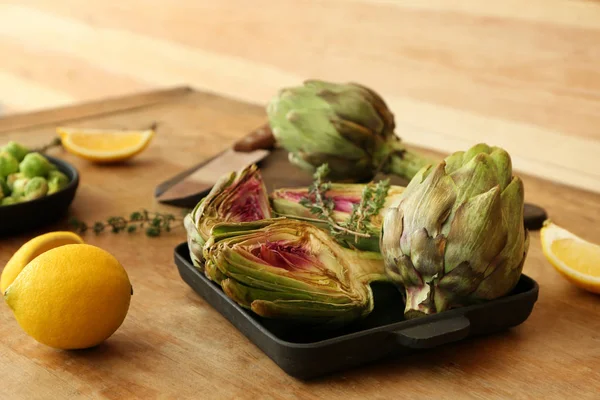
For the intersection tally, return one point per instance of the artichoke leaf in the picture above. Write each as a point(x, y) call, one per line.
point(477, 234)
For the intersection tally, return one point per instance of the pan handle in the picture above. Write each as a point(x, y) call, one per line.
point(435, 333)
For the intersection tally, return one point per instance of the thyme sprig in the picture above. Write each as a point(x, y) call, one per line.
point(316, 201)
point(152, 223)
point(372, 201)
point(56, 142)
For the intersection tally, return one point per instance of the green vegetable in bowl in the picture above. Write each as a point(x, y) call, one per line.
point(15, 149)
point(35, 164)
point(26, 175)
point(18, 187)
point(10, 180)
point(4, 189)
point(34, 189)
point(7, 201)
point(8, 164)
point(56, 181)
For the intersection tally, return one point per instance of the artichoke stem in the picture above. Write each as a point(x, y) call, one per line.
point(407, 164)
point(419, 301)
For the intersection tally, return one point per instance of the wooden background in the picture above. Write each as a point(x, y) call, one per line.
point(524, 75)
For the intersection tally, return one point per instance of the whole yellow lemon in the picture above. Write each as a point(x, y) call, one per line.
point(31, 250)
point(71, 297)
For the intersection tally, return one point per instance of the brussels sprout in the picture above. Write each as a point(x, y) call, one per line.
point(35, 164)
point(18, 186)
point(15, 149)
point(34, 189)
point(7, 201)
point(8, 164)
point(56, 181)
point(4, 189)
point(10, 180)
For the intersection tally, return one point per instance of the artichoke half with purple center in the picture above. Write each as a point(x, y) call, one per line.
point(345, 197)
point(235, 198)
point(292, 270)
point(347, 126)
point(457, 236)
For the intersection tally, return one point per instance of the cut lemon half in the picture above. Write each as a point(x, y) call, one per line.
point(575, 258)
point(104, 146)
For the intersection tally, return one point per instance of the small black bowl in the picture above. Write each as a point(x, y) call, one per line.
point(21, 217)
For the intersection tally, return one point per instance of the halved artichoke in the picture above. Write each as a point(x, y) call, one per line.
point(293, 270)
point(345, 196)
point(235, 198)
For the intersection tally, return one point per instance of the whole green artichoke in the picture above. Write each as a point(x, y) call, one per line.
point(347, 126)
point(457, 237)
point(293, 270)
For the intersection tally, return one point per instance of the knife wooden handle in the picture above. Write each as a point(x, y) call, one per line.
point(260, 138)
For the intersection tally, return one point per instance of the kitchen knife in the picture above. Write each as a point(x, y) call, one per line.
point(189, 187)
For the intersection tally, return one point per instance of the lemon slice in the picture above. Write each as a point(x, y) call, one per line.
point(104, 146)
point(575, 258)
point(31, 250)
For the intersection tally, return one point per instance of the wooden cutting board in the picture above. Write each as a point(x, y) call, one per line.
point(173, 345)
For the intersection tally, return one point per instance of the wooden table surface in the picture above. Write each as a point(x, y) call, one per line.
point(173, 345)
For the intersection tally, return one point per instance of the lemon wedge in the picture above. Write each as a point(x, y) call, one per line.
point(104, 146)
point(575, 258)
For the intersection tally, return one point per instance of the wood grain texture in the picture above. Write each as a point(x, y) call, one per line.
point(93, 108)
point(519, 75)
point(174, 346)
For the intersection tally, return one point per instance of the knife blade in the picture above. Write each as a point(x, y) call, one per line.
point(190, 186)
